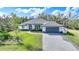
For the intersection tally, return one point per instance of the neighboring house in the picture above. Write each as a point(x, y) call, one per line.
point(39, 24)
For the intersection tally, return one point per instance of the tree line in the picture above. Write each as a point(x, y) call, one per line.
point(12, 21)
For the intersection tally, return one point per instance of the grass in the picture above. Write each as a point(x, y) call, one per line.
point(29, 41)
point(73, 36)
point(12, 48)
point(33, 40)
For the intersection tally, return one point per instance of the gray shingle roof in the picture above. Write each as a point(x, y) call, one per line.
point(41, 21)
point(51, 24)
point(35, 21)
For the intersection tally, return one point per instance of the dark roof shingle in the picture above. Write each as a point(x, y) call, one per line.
point(35, 21)
point(51, 24)
point(41, 21)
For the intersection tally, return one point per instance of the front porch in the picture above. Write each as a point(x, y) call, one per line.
point(31, 27)
point(35, 27)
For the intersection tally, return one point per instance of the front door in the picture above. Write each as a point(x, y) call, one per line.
point(30, 27)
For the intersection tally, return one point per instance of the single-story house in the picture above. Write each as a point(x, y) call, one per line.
point(40, 24)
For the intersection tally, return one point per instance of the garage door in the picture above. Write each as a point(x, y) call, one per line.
point(52, 29)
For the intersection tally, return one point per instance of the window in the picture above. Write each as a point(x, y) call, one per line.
point(25, 27)
point(22, 27)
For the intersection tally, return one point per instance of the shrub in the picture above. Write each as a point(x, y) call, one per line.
point(29, 47)
point(69, 33)
point(4, 36)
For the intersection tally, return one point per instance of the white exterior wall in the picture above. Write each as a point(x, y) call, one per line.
point(33, 26)
point(65, 30)
point(62, 29)
point(20, 27)
point(24, 27)
point(43, 29)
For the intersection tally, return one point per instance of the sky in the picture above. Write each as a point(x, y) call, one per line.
point(34, 11)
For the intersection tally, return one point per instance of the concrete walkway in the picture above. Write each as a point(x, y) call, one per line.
point(55, 42)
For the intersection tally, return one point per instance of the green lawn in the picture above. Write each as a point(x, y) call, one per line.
point(30, 42)
point(12, 48)
point(73, 36)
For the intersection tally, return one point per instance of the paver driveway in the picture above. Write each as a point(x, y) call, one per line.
point(55, 42)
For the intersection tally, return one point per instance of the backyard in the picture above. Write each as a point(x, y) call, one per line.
point(28, 42)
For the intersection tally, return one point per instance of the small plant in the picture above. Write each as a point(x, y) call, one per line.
point(69, 33)
point(29, 47)
point(4, 36)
